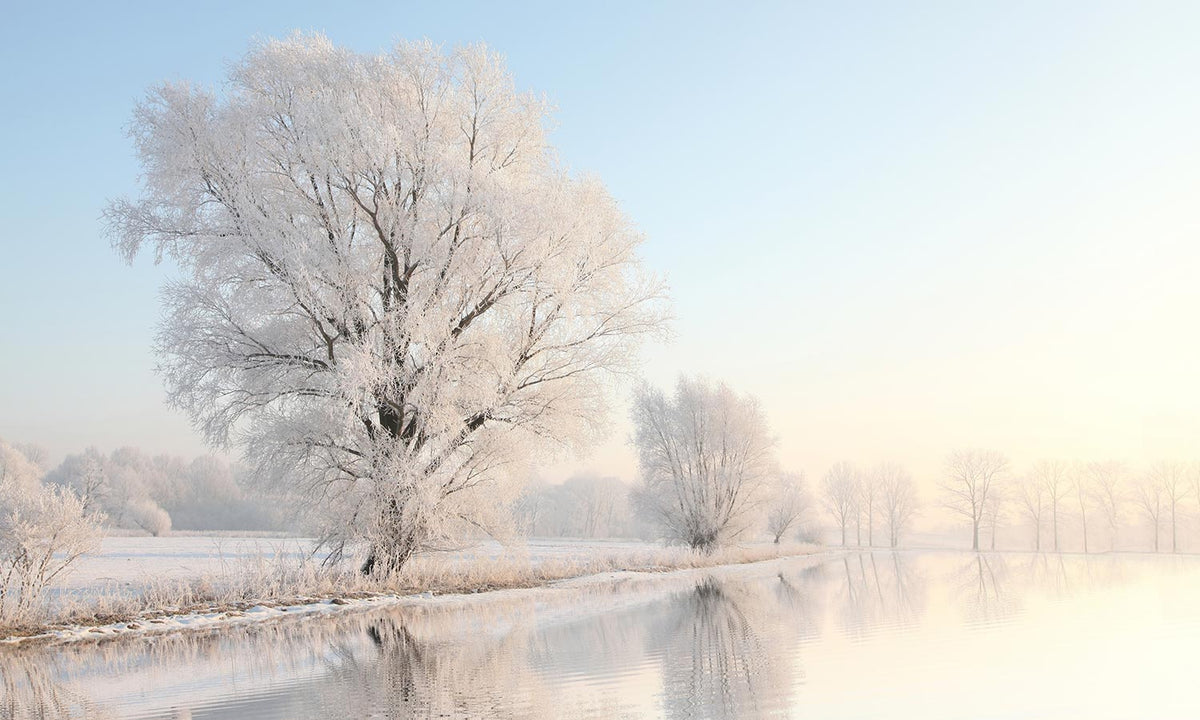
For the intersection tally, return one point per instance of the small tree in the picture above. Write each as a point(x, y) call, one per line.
point(705, 457)
point(43, 530)
point(1081, 487)
point(1032, 504)
point(994, 511)
point(1149, 497)
point(789, 505)
point(1054, 475)
point(899, 498)
point(868, 498)
point(147, 515)
point(1171, 479)
point(839, 493)
point(84, 474)
point(1107, 481)
point(971, 477)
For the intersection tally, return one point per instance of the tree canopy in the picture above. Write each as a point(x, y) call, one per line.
point(390, 289)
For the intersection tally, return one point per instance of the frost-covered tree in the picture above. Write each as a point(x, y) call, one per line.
point(43, 530)
point(1108, 493)
point(971, 477)
point(1081, 483)
point(995, 510)
point(898, 499)
point(869, 489)
point(1171, 479)
point(599, 506)
point(586, 505)
point(390, 289)
point(789, 503)
point(149, 516)
point(84, 474)
point(705, 457)
point(34, 453)
point(1032, 504)
point(839, 492)
point(1054, 475)
point(126, 486)
point(1149, 497)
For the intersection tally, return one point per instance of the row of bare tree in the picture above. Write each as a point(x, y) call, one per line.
point(981, 487)
point(883, 496)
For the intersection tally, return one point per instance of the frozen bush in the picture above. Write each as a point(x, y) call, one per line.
point(42, 531)
point(147, 515)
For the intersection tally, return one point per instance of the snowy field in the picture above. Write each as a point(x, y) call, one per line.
point(128, 563)
point(136, 561)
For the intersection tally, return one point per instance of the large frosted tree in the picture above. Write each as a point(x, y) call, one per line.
point(389, 288)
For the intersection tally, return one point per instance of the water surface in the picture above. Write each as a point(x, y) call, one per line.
point(862, 635)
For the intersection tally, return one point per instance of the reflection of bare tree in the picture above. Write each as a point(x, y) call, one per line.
point(880, 590)
point(800, 600)
point(725, 653)
point(31, 689)
point(509, 656)
point(978, 584)
point(1063, 576)
point(429, 665)
point(731, 645)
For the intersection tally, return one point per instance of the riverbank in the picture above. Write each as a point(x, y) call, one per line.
point(281, 581)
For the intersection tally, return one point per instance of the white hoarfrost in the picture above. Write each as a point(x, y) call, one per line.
point(391, 292)
point(43, 530)
point(706, 457)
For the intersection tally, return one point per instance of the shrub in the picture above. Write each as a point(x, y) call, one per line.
point(42, 531)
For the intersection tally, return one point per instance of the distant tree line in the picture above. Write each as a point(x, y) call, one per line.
point(861, 502)
point(1089, 505)
point(585, 506)
point(134, 490)
point(1101, 503)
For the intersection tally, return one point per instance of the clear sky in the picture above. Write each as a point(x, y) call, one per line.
point(905, 227)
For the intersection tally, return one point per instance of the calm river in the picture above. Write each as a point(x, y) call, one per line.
point(862, 635)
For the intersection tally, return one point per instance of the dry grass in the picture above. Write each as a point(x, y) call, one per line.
point(281, 580)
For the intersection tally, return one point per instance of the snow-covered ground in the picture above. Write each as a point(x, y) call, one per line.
point(129, 562)
point(123, 562)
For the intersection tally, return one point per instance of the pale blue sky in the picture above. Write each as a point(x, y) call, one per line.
point(905, 227)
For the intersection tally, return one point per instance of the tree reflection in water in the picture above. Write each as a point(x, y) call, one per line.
point(715, 658)
point(728, 643)
point(877, 591)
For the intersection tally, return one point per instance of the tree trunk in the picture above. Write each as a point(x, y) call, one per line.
point(394, 541)
point(1085, 545)
point(384, 561)
point(705, 542)
point(975, 535)
point(1174, 547)
point(1055, 527)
